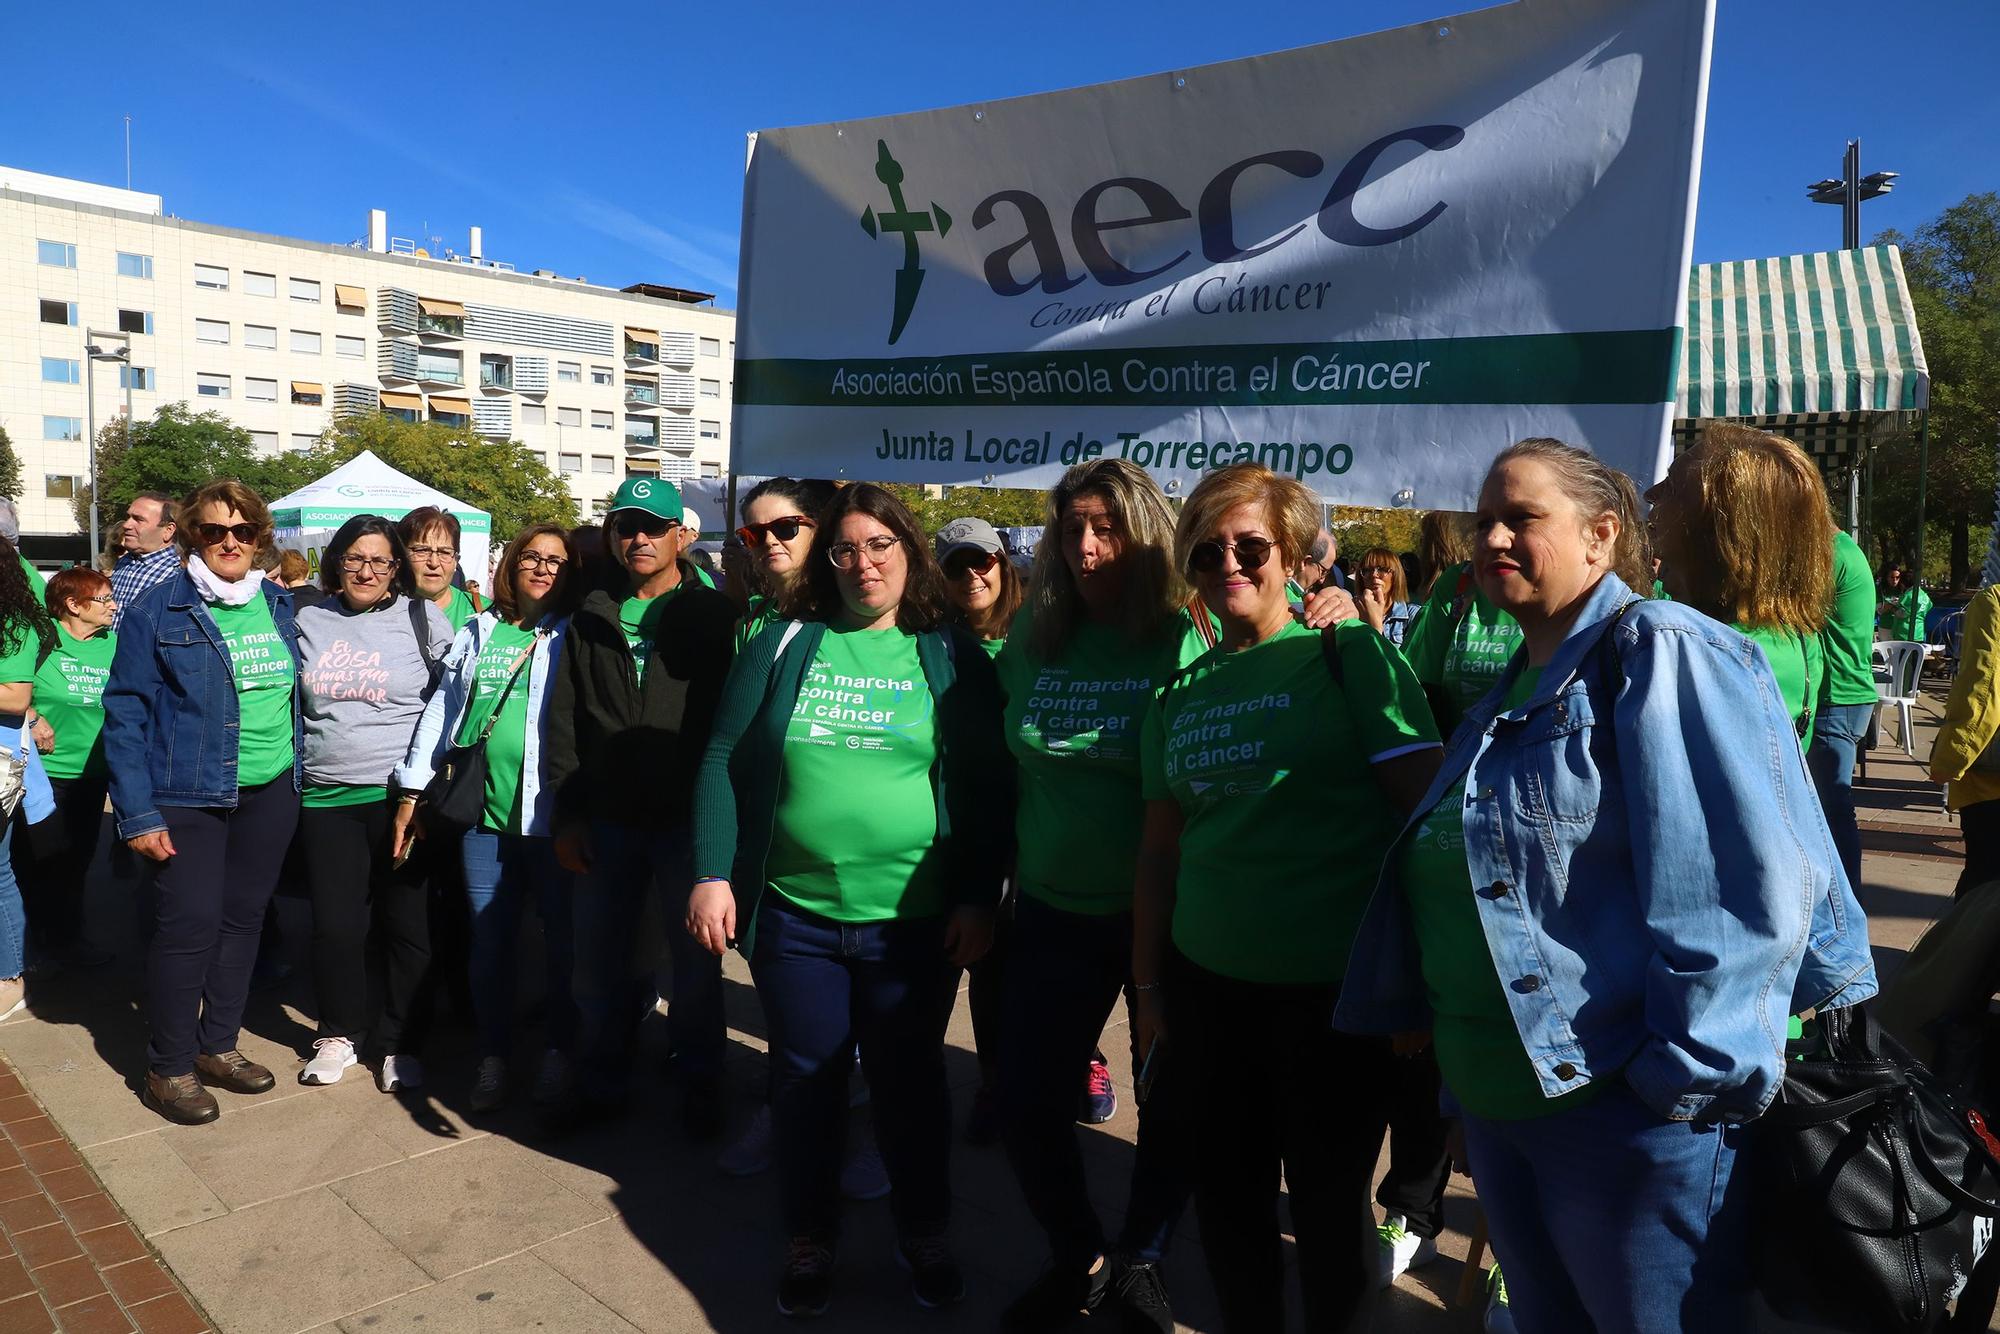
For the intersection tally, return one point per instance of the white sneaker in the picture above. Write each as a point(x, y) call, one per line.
point(862, 1176)
point(551, 1079)
point(1398, 1249)
point(400, 1073)
point(331, 1057)
point(489, 1086)
point(751, 1153)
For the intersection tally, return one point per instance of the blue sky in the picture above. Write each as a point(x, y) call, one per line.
point(609, 142)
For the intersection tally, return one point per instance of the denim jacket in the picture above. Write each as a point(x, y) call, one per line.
point(170, 707)
point(1652, 870)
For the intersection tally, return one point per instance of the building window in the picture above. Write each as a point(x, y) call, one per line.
point(711, 430)
point(58, 312)
point(61, 485)
point(260, 391)
point(61, 370)
point(642, 431)
point(305, 341)
point(135, 321)
point(711, 347)
point(600, 421)
point(308, 396)
point(137, 377)
point(304, 289)
point(600, 375)
point(211, 331)
point(641, 391)
point(134, 266)
point(55, 254)
point(444, 366)
point(496, 372)
point(260, 336)
point(62, 428)
point(211, 276)
point(711, 389)
point(569, 372)
point(347, 345)
point(302, 443)
point(646, 348)
point(534, 414)
point(265, 441)
point(564, 416)
point(570, 462)
point(215, 386)
point(602, 463)
point(260, 284)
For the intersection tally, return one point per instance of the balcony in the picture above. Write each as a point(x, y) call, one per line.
point(642, 394)
point(642, 347)
point(496, 373)
point(440, 368)
point(439, 320)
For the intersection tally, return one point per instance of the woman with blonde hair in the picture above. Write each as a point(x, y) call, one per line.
point(1384, 598)
point(1106, 624)
point(1745, 535)
point(1275, 770)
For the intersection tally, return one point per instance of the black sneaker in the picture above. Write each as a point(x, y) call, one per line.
point(806, 1286)
point(982, 1124)
point(1060, 1295)
point(1139, 1294)
point(935, 1279)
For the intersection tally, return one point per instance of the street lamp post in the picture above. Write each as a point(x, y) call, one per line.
point(1849, 191)
point(92, 354)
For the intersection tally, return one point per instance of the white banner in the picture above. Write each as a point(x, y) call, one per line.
point(1369, 264)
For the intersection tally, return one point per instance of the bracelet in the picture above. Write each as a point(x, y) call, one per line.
point(711, 880)
point(1146, 986)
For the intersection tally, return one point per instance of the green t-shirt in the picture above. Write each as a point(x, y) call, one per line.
point(1465, 658)
point(1799, 663)
point(1848, 641)
point(1270, 761)
point(507, 746)
point(18, 654)
point(1478, 1048)
point(639, 618)
point(1074, 729)
point(264, 673)
point(1906, 621)
point(854, 836)
point(69, 692)
point(458, 608)
point(320, 796)
point(35, 579)
point(1660, 593)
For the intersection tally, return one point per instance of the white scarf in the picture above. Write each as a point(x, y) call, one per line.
point(213, 589)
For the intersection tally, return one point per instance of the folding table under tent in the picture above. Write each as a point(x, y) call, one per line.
point(1820, 348)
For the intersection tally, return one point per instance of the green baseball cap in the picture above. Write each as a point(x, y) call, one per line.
point(654, 495)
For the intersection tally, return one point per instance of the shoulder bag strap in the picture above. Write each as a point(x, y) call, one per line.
point(493, 718)
point(1198, 613)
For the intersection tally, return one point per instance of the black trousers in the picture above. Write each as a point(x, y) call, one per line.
point(371, 944)
point(52, 858)
point(1319, 1130)
point(1419, 1167)
point(208, 910)
point(1980, 823)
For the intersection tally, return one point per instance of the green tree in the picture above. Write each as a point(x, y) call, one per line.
point(1003, 507)
point(1953, 267)
point(175, 450)
point(498, 476)
point(10, 467)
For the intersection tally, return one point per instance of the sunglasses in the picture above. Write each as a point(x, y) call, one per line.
point(632, 524)
point(211, 534)
point(1251, 553)
point(784, 529)
point(961, 563)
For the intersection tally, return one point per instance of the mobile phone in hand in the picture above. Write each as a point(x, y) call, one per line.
point(1142, 1083)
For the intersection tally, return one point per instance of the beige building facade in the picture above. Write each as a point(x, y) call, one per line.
point(283, 335)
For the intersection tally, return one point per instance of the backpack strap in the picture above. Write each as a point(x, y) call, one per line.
point(420, 626)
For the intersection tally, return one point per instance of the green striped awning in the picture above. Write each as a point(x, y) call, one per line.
point(1831, 332)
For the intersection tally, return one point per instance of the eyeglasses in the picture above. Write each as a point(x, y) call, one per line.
point(784, 529)
point(373, 564)
point(211, 534)
point(632, 523)
point(103, 599)
point(433, 553)
point(847, 555)
point(1251, 553)
point(535, 560)
point(961, 563)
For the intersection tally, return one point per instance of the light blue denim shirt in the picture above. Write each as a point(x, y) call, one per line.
point(1650, 865)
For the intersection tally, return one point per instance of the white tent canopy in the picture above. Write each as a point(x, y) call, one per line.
point(307, 518)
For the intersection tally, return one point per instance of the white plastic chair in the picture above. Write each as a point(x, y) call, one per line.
point(1902, 662)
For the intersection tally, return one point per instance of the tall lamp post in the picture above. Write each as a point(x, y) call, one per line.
point(1849, 191)
point(92, 354)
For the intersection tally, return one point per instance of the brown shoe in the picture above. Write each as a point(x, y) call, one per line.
point(180, 1098)
point(234, 1071)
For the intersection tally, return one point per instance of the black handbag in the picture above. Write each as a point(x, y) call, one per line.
point(1875, 1189)
point(456, 794)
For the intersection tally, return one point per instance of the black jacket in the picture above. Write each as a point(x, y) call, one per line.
point(625, 751)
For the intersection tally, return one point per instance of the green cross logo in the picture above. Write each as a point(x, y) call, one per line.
point(909, 278)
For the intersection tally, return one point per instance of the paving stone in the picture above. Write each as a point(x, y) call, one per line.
point(259, 1153)
point(153, 1183)
point(516, 1294)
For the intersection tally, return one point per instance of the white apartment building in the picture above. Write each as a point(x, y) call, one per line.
point(283, 335)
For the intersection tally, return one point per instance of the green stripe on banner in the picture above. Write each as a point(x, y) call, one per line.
point(1622, 366)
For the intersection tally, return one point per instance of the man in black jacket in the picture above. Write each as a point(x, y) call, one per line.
point(635, 693)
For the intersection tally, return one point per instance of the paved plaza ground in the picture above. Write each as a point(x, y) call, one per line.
point(342, 1208)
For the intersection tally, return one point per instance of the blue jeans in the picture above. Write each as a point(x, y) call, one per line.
point(501, 871)
point(1064, 972)
point(13, 920)
point(1608, 1218)
point(610, 991)
point(888, 985)
point(1837, 733)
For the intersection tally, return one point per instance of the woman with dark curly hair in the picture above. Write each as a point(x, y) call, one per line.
point(26, 636)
